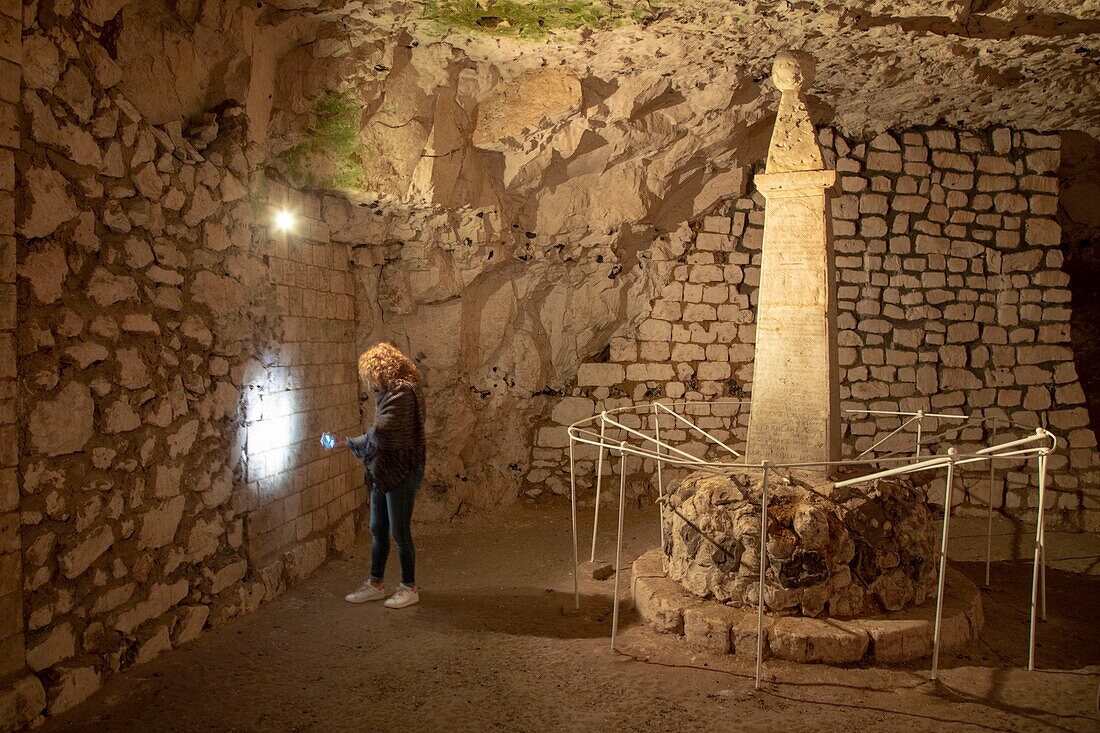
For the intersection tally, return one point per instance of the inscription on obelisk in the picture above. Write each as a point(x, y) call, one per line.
point(795, 412)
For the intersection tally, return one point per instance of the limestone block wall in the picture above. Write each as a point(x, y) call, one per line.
point(136, 267)
point(951, 295)
point(302, 498)
point(173, 373)
point(21, 693)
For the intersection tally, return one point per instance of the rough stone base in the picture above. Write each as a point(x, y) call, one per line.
point(720, 629)
point(839, 553)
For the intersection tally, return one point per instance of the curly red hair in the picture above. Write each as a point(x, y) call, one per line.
point(383, 366)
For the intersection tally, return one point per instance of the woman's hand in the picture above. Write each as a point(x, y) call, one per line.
point(331, 442)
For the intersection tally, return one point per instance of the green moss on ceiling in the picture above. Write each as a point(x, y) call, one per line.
point(330, 155)
point(535, 18)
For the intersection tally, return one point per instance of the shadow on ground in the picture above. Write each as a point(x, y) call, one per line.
point(495, 645)
point(1067, 640)
point(522, 611)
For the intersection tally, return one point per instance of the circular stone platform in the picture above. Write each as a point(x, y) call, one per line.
point(711, 626)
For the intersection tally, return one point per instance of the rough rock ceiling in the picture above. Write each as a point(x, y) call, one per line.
point(649, 124)
point(1031, 63)
point(585, 131)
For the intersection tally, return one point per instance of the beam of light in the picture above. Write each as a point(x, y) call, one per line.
point(276, 431)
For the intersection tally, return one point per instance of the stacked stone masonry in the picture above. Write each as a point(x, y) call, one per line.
point(21, 693)
point(297, 488)
point(951, 298)
point(175, 362)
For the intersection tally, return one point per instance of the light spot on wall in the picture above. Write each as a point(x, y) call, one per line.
point(274, 427)
point(284, 221)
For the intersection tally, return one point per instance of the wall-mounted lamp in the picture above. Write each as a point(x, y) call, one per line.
point(284, 221)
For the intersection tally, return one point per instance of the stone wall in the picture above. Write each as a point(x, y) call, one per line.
point(952, 298)
point(174, 371)
point(21, 693)
point(302, 498)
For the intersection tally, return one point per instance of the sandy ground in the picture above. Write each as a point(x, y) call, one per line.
point(496, 646)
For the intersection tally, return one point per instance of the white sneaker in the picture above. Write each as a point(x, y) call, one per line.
point(366, 592)
point(403, 596)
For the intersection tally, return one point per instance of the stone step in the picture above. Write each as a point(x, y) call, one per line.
point(710, 626)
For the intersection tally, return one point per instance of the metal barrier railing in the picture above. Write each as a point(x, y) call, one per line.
point(1039, 444)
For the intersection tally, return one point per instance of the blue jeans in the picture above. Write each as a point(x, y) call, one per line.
point(391, 515)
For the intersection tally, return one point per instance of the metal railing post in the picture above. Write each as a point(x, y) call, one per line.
point(573, 505)
point(951, 454)
point(599, 479)
point(920, 426)
point(619, 545)
point(660, 478)
point(989, 511)
point(1039, 559)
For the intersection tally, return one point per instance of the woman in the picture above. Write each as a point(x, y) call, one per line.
point(393, 452)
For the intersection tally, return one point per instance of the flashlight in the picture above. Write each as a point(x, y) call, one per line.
point(328, 440)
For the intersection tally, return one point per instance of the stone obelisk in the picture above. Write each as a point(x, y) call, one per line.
point(795, 412)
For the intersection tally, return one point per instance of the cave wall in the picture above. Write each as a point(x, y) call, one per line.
point(498, 330)
point(514, 202)
point(167, 361)
point(519, 205)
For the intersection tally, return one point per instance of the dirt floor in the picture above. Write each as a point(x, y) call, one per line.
point(495, 646)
